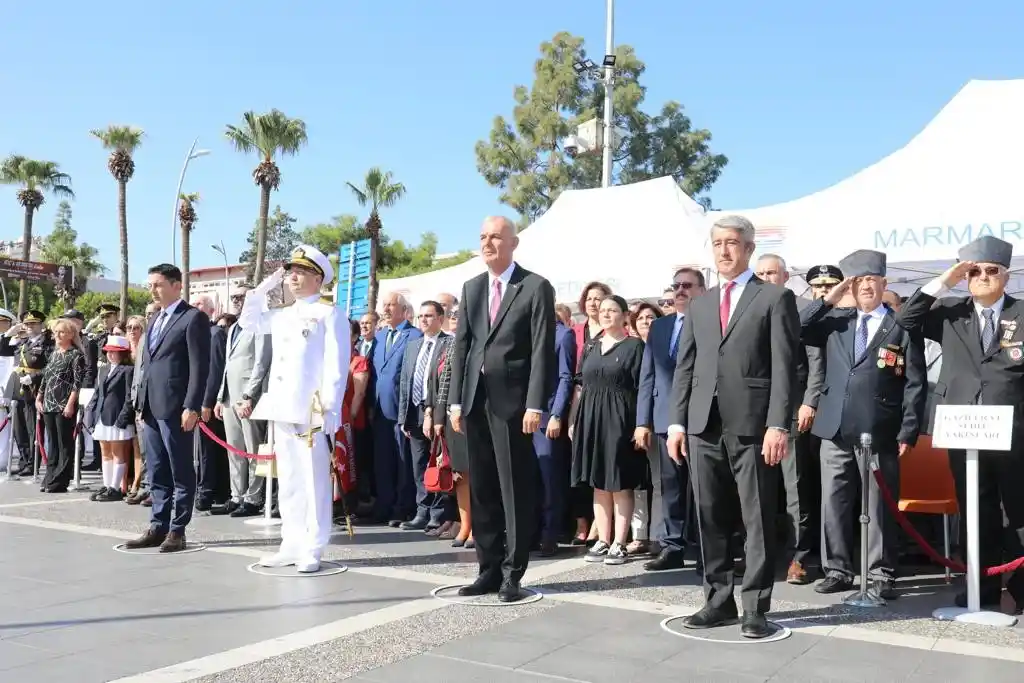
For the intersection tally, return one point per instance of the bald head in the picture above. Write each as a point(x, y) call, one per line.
point(204, 303)
point(498, 242)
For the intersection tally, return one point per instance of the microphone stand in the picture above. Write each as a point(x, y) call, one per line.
point(865, 597)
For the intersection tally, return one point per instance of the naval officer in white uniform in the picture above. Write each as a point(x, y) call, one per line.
point(308, 373)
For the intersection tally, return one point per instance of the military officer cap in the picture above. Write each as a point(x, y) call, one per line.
point(72, 314)
point(988, 249)
point(7, 315)
point(864, 262)
point(312, 258)
point(33, 317)
point(824, 275)
point(104, 309)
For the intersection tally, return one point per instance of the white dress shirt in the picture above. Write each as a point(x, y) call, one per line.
point(874, 322)
point(432, 342)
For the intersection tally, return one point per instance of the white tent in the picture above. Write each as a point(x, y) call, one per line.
point(957, 180)
point(631, 237)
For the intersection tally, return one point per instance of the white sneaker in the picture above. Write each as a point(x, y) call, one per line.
point(278, 559)
point(308, 565)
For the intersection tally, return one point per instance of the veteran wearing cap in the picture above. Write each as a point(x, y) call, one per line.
point(875, 383)
point(982, 338)
point(308, 374)
point(30, 344)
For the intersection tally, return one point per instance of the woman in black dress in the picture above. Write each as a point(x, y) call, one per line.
point(57, 402)
point(458, 450)
point(604, 408)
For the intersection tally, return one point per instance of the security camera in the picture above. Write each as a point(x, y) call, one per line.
point(574, 145)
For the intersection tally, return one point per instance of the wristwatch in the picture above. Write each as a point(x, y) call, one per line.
point(246, 397)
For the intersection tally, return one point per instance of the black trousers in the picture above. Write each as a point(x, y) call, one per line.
point(23, 418)
point(503, 489)
point(1000, 477)
point(732, 484)
point(60, 461)
point(801, 477)
point(214, 486)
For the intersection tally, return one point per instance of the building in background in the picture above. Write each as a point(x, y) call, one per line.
point(12, 248)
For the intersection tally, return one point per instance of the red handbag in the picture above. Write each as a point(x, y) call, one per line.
point(438, 476)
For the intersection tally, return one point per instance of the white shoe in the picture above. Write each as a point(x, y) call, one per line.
point(308, 565)
point(278, 559)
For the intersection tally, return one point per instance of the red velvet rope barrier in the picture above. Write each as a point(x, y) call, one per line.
point(933, 555)
point(39, 440)
point(3, 425)
point(228, 447)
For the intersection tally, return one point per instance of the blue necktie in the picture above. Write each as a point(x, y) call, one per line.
point(389, 340)
point(421, 372)
point(158, 327)
point(988, 332)
point(673, 349)
point(861, 345)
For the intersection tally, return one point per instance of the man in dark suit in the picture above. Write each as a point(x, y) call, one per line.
point(170, 388)
point(652, 418)
point(551, 441)
point(733, 399)
point(982, 338)
point(501, 381)
point(392, 457)
point(421, 355)
point(213, 489)
point(801, 474)
point(875, 384)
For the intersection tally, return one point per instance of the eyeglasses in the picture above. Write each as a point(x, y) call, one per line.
point(685, 286)
point(991, 271)
point(665, 302)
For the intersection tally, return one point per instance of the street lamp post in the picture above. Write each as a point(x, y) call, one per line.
point(219, 248)
point(192, 154)
point(609, 80)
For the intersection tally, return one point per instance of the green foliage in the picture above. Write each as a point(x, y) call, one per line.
point(124, 139)
point(40, 177)
point(525, 158)
point(87, 303)
point(61, 247)
point(379, 191)
point(394, 259)
point(267, 134)
point(281, 240)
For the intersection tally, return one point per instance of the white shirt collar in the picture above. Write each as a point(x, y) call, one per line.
point(741, 279)
point(170, 309)
point(504, 277)
point(997, 307)
point(427, 337)
point(877, 313)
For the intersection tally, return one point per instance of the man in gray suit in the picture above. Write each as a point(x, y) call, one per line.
point(421, 355)
point(242, 384)
point(801, 472)
point(733, 400)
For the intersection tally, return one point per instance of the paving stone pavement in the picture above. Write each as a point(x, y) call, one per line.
point(76, 610)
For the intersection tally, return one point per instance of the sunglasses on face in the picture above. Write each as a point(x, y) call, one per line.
point(685, 286)
point(665, 302)
point(991, 271)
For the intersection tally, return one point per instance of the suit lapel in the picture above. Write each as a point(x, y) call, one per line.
point(111, 371)
point(399, 331)
point(233, 334)
point(967, 327)
point(507, 297)
point(169, 325)
point(880, 336)
point(750, 290)
point(847, 339)
point(1009, 313)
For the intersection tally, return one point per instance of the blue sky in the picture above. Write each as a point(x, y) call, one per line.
point(798, 94)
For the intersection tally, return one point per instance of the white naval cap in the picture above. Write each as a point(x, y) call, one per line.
point(7, 315)
point(312, 258)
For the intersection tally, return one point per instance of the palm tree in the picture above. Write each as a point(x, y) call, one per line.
point(84, 258)
point(187, 219)
point(266, 135)
point(378, 191)
point(122, 141)
point(35, 178)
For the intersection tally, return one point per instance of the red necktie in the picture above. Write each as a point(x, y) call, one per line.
point(495, 300)
point(726, 306)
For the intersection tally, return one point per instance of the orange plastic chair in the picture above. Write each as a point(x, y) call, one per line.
point(926, 485)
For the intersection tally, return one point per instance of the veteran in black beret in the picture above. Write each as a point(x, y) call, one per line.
point(875, 383)
point(982, 338)
point(822, 279)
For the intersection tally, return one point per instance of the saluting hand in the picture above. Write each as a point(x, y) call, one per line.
point(836, 295)
point(956, 273)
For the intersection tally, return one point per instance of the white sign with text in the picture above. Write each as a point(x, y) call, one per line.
point(973, 428)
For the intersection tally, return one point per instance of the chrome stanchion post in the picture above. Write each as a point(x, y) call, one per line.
point(267, 525)
point(76, 485)
point(865, 597)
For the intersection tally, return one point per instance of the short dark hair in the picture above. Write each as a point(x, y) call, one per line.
point(644, 306)
point(438, 308)
point(354, 327)
point(171, 272)
point(619, 301)
point(687, 270)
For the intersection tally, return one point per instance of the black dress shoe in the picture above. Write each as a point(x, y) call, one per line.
point(483, 585)
point(666, 559)
point(885, 589)
point(710, 617)
point(754, 625)
point(225, 509)
point(203, 506)
point(395, 523)
point(414, 525)
point(510, 591)
point(833, 584)
point(547, 549)
point(245, 510)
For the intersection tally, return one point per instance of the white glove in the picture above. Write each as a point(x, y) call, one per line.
point(271, 281)
point(26, 380)
point(332, 422)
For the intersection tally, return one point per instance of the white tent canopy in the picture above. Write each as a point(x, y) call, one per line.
point(957, 180)
point(631, 237)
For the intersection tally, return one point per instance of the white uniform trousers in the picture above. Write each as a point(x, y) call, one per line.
point(305, 493)
point(6, 439)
